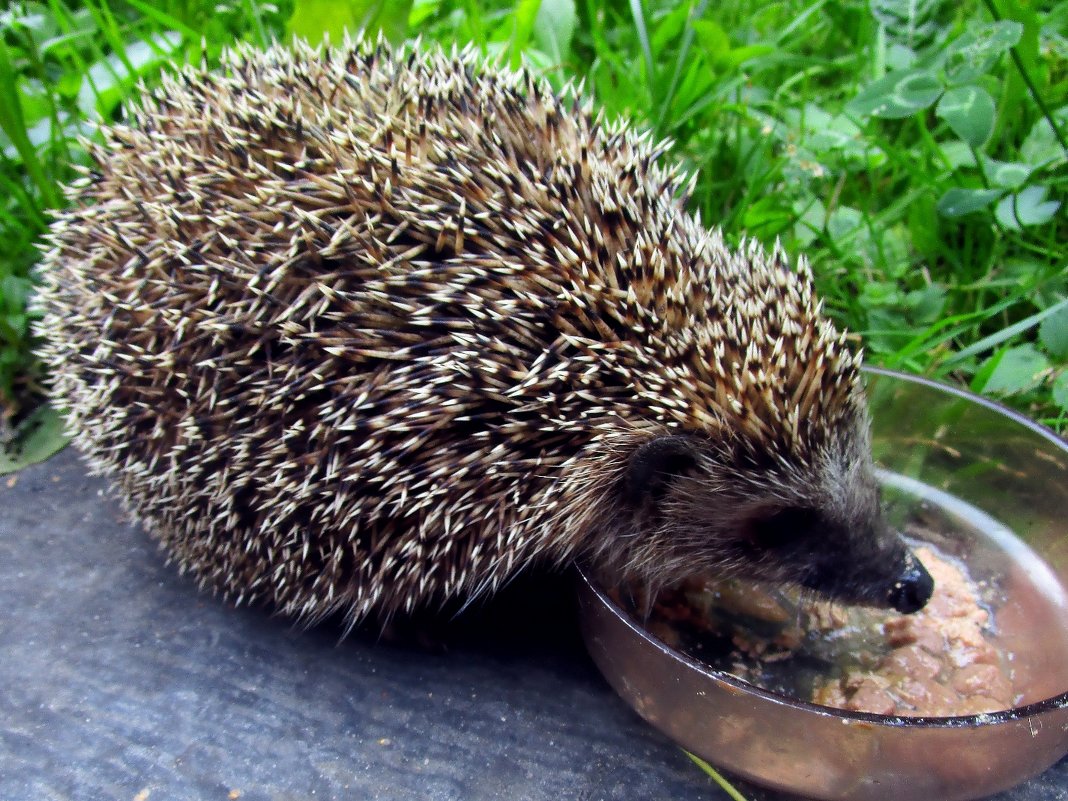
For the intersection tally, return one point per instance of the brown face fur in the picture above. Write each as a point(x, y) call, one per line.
point(366, 331)
point(687, 505)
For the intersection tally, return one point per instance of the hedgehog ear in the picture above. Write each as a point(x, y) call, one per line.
point(655, 464)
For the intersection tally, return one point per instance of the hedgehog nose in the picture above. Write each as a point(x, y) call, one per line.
point(912, 589)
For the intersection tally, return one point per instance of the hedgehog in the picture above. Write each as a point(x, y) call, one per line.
point(365, 330)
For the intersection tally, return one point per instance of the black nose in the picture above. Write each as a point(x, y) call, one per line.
point(912, 589)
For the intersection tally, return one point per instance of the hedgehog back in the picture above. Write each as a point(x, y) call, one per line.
point(339, 323)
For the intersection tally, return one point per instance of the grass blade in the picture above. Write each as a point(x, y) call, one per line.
point(1006, 333)
point(643, 38)
point(14, 126)
point(715, 775)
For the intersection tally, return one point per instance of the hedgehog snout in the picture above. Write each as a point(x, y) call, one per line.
point(856, 561)
point(889, 576)
point(912, 589)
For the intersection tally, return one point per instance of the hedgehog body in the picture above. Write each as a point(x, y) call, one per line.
point(362, 331)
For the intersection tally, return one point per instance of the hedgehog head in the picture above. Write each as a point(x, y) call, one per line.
point(752, 457)
point(699, 505)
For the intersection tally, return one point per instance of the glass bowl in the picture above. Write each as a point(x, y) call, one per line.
point(1003, 481)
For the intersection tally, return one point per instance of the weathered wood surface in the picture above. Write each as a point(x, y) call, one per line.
point(118, 680)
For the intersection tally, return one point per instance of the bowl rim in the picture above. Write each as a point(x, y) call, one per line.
point(966, 394)
point(890, 721)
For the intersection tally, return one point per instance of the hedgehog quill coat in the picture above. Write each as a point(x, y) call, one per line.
point(361, 331)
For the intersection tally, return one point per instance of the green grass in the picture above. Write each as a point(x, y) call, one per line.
point(915, 151)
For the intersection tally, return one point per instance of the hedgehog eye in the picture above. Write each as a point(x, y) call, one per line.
point(654, 465)
point(783, 528)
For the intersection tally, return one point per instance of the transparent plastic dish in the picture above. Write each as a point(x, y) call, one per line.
point(1002, 483)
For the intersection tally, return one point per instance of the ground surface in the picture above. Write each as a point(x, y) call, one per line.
point(118, 680)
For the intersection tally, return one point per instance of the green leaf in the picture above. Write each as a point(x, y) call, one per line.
point(768, 217)
point(18, 323)
point(713, 40)
point(811, 219)
point(957, 154)
point(969, 110)
point(315, 19)
point(897, 95)
point(670, 26)
point(843, 223)
point(1053, 332)
point(391, 19)
point(14, 291)
point(1041, 145)
point(1060, 391)
point(876, 294)
point(554, 28)
point(972, 54)
point(38, 437)
point(11, 332)
point(900, 57)
point(1006, 174)
point(911, 22)
point(740, 55)
point(958, 202)
point(521, 27)
point(924, 306)
point(1029, 207)
point(1014, 370)
point(422, 10)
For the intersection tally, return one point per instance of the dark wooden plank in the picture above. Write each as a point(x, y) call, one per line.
point(119, 680)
